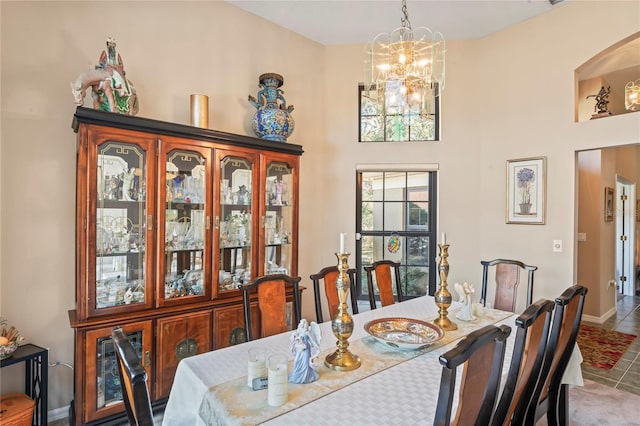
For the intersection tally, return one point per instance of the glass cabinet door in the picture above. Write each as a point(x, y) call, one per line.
point(278, 219)
point(122, 244)
point(184, 223)
point(235, 220)
point(104, 392)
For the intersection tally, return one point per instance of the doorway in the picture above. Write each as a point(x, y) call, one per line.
point(599, 249)
point(625, 232)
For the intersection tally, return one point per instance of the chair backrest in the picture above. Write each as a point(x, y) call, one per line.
point(381, 273)
point(329, 276)
point(548, 397)
point(507, 279)
point(133, 380)
point(482, 354)
point(532, 332)
point(272, 304)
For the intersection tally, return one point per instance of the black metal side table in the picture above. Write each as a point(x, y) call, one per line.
point(36, 377)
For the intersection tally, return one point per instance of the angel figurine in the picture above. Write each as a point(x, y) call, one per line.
point(464, 293)
point(305, 346)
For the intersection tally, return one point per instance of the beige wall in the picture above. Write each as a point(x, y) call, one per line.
point(510, 95)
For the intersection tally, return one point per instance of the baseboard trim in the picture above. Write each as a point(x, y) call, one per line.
point(58, 414)
point(601, 319)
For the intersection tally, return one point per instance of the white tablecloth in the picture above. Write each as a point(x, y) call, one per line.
point(404, 394)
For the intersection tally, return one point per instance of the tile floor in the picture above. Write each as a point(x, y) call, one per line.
point(626, 374)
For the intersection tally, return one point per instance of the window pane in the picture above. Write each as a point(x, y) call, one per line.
point(369, 252)
point(397, 128)
point(367, 216)
point(418, 251)
point(415, 281)
point(422, 128)
point(371, 129)
point(418, 180)
point(369, 105)
point(394, 186)
point(393, 217)
point(372, 186)
point(418, 217)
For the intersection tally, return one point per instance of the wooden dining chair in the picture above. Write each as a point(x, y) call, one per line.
point(384, 274)
point(328, 276)
point(133, 380)
point(532, 332)
point(272, 304)
point(550, 396)
point(481, 353)
point(507, 278)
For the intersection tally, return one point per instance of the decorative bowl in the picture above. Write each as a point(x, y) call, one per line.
point(7, 350)
point(404, 333)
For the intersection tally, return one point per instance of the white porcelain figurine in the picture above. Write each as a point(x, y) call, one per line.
point(464, 292)
point(305, 346)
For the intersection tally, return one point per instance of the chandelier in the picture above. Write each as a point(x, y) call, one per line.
point(405, 68)
point(632, 96)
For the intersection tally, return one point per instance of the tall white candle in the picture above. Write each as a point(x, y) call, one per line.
point(342, 236)
point(277, 392)
point(257, 365)
point(444, 238)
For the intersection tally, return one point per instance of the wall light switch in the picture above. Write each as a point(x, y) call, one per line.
point(557, 246)
point(582, 236)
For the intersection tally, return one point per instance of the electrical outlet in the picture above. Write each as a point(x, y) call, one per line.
point(557, 246)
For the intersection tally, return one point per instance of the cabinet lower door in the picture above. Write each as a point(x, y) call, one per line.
point(179, 337)
point(228, 322)
point(103, 392)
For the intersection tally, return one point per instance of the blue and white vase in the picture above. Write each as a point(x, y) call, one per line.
point(272, 120)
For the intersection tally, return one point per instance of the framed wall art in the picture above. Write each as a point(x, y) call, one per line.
point(608, 204)
point(526, 190)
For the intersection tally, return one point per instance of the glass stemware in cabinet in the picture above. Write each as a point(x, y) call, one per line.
point(278, 221)
point(236, 233)
point(120, 225)
point(184, 224)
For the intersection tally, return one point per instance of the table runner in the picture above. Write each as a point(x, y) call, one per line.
point(234, 403)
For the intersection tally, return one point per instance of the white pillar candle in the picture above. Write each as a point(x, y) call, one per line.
point(444, 238)
point(257, 365)
point(277, 392)
point(342, 236)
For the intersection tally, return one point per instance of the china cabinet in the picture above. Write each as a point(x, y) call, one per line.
point(170, 220)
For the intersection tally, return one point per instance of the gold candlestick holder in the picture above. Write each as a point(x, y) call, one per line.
point(342, 324)
point(443, 296)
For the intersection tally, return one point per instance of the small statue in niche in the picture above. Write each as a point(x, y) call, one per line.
point(464, 295)
point(110, 89)
point(305, 346)
point(602, 102)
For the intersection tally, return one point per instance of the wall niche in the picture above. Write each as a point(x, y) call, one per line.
point(610, 69)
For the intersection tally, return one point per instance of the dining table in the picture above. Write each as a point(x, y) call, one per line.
point(392, 386)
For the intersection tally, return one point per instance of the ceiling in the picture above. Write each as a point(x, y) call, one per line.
point(359, 21)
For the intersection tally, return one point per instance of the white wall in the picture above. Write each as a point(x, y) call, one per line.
point(510, 95)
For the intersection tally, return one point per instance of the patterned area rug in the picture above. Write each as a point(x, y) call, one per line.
point(602, 348)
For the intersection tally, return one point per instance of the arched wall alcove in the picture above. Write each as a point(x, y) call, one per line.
point(612, 68)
